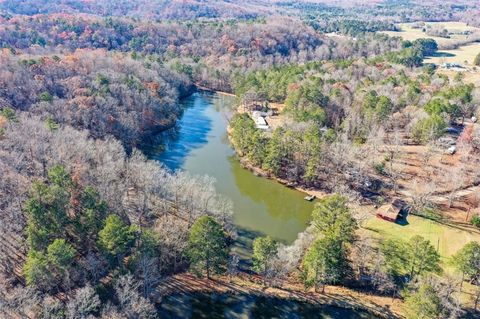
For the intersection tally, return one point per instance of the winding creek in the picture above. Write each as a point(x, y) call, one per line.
point(199, 145)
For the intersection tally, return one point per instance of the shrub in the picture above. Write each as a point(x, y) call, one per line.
point(430, 213)
point(475, 221)
point(380, 168)
point(477, 60)
point(429, 129)
point(45, 97)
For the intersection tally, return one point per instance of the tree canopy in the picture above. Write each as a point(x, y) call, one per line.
point(333, 218)
point(207, 247)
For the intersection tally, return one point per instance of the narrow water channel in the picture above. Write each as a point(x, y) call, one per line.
point(199, 145)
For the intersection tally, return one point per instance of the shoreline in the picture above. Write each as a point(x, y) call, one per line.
point(257, 171)
point(204, 88)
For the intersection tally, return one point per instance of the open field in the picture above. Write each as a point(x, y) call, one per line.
point(447, 238)
point(463, 55)
point(409, 33)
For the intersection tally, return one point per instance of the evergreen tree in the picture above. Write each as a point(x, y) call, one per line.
point(44, 270)
point(264, 250)
point(395, 253)
point(412, 258)
point(467, 260)
point(275, 152)
point(36, 270)
point(46, 214)
point(207, 247)
point(60, 254)
point(325, 262)
point(422, 256)
point(333, 218)
point(423, 303)
point(116, 237)
point(9, 114)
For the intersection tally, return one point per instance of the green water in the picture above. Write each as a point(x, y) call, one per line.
point(261, 206)
point(200, 146)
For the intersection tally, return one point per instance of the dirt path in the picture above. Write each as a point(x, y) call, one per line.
point(384, 307)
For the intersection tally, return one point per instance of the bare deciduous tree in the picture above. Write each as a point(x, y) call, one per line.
point(84, 304)
point(131, 303)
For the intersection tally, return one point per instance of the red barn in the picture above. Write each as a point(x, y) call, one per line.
point(392, 211)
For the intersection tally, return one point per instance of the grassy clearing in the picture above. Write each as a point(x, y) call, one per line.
point(409, 33)
point(463, 55)
point(448, 239)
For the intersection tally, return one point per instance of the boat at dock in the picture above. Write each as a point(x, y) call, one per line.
point(310, 198)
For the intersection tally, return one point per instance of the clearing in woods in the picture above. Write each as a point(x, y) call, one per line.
point(447, 238)
point(463, 55)
point(456, 33)
point(449, 229)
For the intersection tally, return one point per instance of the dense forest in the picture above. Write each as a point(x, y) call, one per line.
point(90, 227)
point(210, 52)
point(157, 9)
point(334, 106)
point(94, 90)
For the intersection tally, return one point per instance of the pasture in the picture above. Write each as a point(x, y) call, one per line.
point(463, 55)
point(455, 29)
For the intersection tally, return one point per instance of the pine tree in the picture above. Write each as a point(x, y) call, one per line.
point(116, 238)
point(264, 250)
point(207, 247)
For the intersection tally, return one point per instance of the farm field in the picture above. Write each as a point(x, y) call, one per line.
point(463, 55)
point(408, 32)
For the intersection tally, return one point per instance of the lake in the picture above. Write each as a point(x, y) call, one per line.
point(199, 145)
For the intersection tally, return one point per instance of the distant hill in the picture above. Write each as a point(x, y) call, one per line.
point(161, 9)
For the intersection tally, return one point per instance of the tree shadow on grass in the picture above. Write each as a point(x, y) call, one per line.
point(441, 54)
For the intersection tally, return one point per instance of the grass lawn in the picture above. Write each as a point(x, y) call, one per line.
point(448, 239)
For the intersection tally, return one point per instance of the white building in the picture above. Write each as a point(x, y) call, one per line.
point(260, 121)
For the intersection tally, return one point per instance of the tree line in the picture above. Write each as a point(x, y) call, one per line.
point(211, 52)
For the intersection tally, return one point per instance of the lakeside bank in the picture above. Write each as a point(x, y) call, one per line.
point(258, 171)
